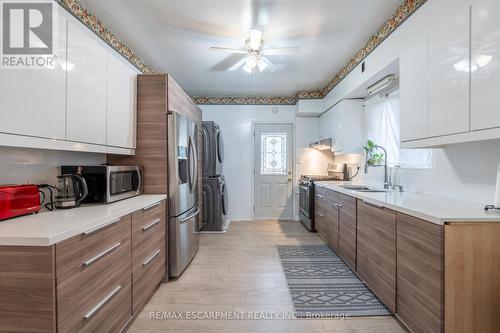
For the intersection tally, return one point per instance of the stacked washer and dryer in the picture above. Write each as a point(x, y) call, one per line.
point(214, 193)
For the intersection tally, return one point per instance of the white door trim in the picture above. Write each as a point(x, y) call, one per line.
point(253, 161)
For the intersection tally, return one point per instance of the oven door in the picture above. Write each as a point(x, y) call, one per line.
point(123, 182)
point(304, 200)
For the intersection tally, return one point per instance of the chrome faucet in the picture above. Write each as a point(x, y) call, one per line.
point(387, 180)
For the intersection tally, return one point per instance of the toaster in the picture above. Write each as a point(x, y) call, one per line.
point(17, 200)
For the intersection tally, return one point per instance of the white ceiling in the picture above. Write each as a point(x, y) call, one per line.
point(173, 36)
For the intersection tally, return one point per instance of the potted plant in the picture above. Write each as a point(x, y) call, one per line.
point(373, 156)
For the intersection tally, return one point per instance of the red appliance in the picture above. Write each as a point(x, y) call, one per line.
point(16, 200)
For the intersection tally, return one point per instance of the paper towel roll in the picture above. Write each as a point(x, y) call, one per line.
point(497, 190)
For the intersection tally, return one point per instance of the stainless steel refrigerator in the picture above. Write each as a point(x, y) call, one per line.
point(183, 220)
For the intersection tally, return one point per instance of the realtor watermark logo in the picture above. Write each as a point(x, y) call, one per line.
point(28, 34)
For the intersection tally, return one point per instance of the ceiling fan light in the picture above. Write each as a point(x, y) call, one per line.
point(255, 42)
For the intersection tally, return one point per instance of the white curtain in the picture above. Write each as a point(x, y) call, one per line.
point(382, 127)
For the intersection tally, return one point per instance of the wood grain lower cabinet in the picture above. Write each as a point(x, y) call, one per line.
point(420, 274)
point(99, 275)
point(27, 289)
point(376, 251)
point(472, 277)
point(332, 225)
point(93, 282)
point(148, 253)
point(347, 229)
point(320, 211)
point(326, 217)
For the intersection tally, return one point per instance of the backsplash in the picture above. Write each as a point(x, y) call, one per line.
point(35, 166)
point(463, 172)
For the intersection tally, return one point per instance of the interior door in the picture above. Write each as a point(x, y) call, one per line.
point(273, 171)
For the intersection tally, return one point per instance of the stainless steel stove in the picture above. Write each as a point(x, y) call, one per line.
point(306, 197)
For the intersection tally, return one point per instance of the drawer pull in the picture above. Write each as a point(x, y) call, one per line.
point(147, 261)
point(152, 224)
point(156, 204)
point(101, 303)
point(320, 196)
point(99, 227)
point(320, 215)
point(100, 255)
point(339, 205)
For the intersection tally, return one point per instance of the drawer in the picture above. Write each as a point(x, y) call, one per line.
point(332, 196)
point(73, 252)
point(320, 191)
point(96, 296)
point(148, 268)
point(147, 222)
point(112, 315)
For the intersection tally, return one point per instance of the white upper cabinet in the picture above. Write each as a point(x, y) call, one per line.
point(121, 103)
point(309, 107)
point(414, 90)
point(448, 67)
point(344, 124)
point(485, 71)
point(86, 87)
point(33, 101)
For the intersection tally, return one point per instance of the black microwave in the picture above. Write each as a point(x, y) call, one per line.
point(107, 183)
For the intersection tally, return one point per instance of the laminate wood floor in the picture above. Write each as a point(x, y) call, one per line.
point(240, 273)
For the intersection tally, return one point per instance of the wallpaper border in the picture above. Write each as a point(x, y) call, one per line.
point(403, 12)
point(84, 15)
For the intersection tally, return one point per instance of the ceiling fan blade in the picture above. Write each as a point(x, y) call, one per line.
point(238, 65)
point(226, 63)
point(281, 50)
point(268, 64)
point(225, 49)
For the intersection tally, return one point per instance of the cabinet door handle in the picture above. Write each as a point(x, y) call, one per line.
point(151, 257)
point(99, 227)
point(101, 303)
point(100, 255)
point(152, 224)
point(320, 215)
point(156, 204)
point(339, 205)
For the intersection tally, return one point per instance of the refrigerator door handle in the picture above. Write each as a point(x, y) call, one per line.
point(190, 164)
point(187, 218)
point(195, 156)
point(193, 174)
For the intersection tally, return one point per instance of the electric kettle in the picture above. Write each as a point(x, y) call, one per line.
point(71, 190)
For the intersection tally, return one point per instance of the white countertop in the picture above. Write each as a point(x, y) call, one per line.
point(47, 228)
point(427, 207)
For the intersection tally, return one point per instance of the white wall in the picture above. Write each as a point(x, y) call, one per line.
point(464, 172)
point(236, 124)
point(37, 166)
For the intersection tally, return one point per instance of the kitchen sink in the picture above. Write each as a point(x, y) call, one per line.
point(362, 188)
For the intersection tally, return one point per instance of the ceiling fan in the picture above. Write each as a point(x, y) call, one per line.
point(255, 54)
